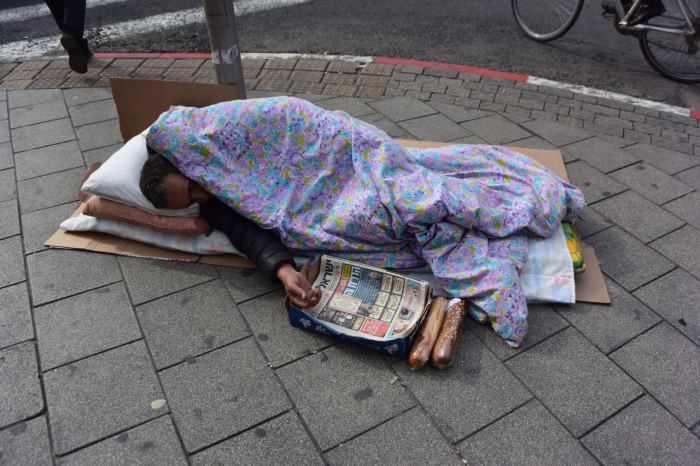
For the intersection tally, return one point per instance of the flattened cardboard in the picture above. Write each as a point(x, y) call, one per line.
point(139, 102)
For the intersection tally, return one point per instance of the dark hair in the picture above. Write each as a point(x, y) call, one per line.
point(151, 181)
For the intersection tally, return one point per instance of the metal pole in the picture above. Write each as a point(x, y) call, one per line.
point(225, 51)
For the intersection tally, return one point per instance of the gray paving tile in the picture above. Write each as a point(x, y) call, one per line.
point(11, 261)
point(651, 183)
point(38, 226)
point(667, 365)
point(148, 279)
point(4, 130)
point(20, 389)
point(354, 107)
point(26, 444)
point(627, 260)
point(15, 315)
point(682, 247)
point(575, 381)
point(614, 140)
point(83, 325)
point(402, 108)
point(594, 184)
point(690, 177)
point(6, 156)
point(407, 439)
point(470, 140)
point(314, 97)
point(334, 411)
point(55, 273)
point(434, 128)
point(557, 134)
point(668, 161)
point(100, 134)
point(49, 159)
point(99, 396)
point(32, 97)
point(42, 134)
point(93, 112)
point(101, 154)
point(644, 433)
point(533, 142)
point(49, 190)
point(190, 323)
point(244, 284)
point(496, 129)
point(640, 217)
point(687, 208)
point(3, 110)
point(386, 125)
point(153, 443)
point(476, 375)
point(458, 114)
point(280, 341)
point(37, 113)
point(282, 440)
point(222, 393)
point(600, 154)
point(542, 322)
point(85, 95)
point(8, 189)
point(529, 435)
point(676, 297)
point(9, 219)
point(610, 326)
point(590, 223)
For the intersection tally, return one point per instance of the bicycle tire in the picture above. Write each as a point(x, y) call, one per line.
point(689, 76)
point(558, 29)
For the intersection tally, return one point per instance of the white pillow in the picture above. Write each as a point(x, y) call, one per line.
point(216, 243)
point(118, 180)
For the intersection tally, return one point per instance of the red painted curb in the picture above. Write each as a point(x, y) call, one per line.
point(449, 66)
point(151, 55)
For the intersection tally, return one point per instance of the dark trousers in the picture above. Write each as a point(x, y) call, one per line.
point(70, 16)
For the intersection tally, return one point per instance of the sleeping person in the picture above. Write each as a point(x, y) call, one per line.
point(322, 181)
point(167, 188)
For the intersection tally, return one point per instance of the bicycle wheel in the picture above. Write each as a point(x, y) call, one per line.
point(674, 56)
point(545, 20)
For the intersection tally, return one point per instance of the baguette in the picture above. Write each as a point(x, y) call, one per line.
point(445, 348)
point(427, 334)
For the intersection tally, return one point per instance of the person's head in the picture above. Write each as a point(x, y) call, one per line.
point(166, 187)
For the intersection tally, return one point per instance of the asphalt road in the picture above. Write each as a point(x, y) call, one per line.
point(474, 32)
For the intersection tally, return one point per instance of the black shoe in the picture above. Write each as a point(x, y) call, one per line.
point(86, 50)
point(77, 60)
point(646, 12)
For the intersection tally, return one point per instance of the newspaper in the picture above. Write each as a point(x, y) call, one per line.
point(368, 302)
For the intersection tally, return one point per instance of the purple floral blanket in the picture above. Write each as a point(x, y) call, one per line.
point(327, 182)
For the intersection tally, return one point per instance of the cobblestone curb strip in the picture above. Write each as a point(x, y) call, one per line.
point(519, 97)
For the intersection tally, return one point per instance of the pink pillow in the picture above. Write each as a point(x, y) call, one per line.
point(109, 210)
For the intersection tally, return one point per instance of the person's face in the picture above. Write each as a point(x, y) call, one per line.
point(182, 192)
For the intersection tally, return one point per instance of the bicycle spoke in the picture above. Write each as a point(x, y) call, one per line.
point(545, 19)
point(674, 55)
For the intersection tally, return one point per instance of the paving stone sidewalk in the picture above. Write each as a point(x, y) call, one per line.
point(116, 360)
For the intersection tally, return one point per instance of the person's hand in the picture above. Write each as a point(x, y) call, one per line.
point(297, 287)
